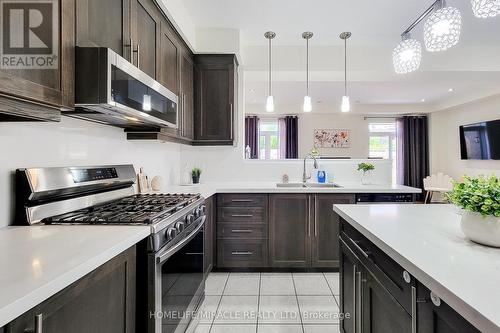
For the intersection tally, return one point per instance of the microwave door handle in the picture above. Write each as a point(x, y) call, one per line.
point(162, 257)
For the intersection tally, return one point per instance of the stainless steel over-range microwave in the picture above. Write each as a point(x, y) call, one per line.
point(111, 90)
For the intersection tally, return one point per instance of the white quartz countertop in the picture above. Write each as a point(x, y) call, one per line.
point(210, 188)
point(39, 261)
point(427, 241)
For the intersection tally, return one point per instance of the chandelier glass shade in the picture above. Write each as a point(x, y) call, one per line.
point(442, 29)
point(485, 8)
point(407, 56)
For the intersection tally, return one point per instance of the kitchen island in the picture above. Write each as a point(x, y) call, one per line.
point(426, 242)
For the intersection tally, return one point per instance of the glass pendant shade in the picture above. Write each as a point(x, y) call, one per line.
point(346, 104)
point(307, 104)
point(485, 8)
point(442, 29)
point(270, 104)
point(407, 56)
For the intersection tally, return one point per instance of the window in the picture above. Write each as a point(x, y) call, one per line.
point(269, 145)
point(383, 143)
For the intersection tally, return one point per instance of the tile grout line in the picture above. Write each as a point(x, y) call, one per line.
point(298, 304)
point(218, 304)
point(331, 290)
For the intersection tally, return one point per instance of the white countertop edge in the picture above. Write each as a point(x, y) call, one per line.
point(37, 296)
point(476, 318)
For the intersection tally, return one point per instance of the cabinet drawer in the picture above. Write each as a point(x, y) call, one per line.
point(241, 254)
point(390, 274)
point(241, 214)
point(242, 200)
point(242, 230)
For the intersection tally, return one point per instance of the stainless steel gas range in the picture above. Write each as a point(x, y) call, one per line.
point(170, 262)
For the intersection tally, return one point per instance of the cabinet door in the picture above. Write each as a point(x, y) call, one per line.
point(381, 312)
point(349, 271)
point(289, 230)
point(95, 26)
point(214, 99)
point(326, 225)
point(187, 95)
point(101, 302)
point(169, 58)
point(439, 318)
point(146, 29)
point(52, 87)
point(209, 234)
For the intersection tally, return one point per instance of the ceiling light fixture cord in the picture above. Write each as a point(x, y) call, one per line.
point(270, 60)
point(345, 66)
point(435, 5)
point(307, 66)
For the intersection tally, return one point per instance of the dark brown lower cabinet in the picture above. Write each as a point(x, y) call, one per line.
point(304, 230)
point(440, 317)
point(289, 230)
point(103, 301)
point(372, 302)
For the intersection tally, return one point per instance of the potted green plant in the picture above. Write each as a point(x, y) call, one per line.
point(366, 168)
point(479, 202)
point(195, 174)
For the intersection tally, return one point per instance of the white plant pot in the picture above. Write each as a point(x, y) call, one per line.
point(481, 229)
point(366, 177)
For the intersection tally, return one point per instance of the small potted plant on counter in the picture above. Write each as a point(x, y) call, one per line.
point(366, 168)
point(195, 174)
point(479, 202)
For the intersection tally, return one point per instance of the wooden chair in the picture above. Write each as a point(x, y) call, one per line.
point(437, 183)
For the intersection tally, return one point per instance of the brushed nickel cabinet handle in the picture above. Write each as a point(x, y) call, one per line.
point(309, 216)
point(354, 296)
point(242, 215)
point(413, 309)
point(38, 325)
point(315, 219)
point(241, 231)
point(238, 253)
point(359, 300)
point(241, 200)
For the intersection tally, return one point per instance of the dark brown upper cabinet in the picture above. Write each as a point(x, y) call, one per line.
point(145, 34)
point(96, 27)
point(186, 95)
point(216, 84)
point(39, 94)
point(170, 53)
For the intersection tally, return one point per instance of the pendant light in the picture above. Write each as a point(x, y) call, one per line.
point(442, 28)
point(407, 55)
point(485, 8)
point(270, 100)
point(346, 105)
point(307, 107)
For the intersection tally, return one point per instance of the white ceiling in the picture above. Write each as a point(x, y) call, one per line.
point(472, 68)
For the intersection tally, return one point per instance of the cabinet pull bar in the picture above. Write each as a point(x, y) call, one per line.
point(238, 253)
point(241, 200)
point(38, 325)
point(315, 219)
point(354, 297)
point(131, 50)
point(238, 231)
point(242, 215)
point(194, 253)
point(309, 216)
point(359, 300)
point(413, 309)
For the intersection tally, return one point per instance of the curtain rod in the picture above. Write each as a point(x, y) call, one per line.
point(398, 116)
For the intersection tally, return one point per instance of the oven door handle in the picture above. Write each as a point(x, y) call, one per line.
point(164, 255)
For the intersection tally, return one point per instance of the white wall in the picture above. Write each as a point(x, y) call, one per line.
point(76, 142)
point(445, 143)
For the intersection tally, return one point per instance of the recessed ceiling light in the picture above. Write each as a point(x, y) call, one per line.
point(423, 100)
point(252, 90)
point(451, 90)
point(319, 102)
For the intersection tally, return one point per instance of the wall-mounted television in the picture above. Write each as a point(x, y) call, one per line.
point(480, 141)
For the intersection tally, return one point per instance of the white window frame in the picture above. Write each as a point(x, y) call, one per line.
point(267, 135)
point(392, 150)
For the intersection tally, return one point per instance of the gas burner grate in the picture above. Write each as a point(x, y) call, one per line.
point(135, 209)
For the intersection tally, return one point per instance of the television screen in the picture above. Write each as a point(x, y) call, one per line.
point(480, 141)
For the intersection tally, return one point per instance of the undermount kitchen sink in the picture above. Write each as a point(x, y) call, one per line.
point(309, 185)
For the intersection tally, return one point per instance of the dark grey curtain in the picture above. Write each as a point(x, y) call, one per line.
point(413, 151)
point(252, 135)
point(292, 140)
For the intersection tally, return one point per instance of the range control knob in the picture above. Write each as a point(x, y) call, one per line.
point(179, 226)
point(203, 209)
point(189, 219)
point(170, 234)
